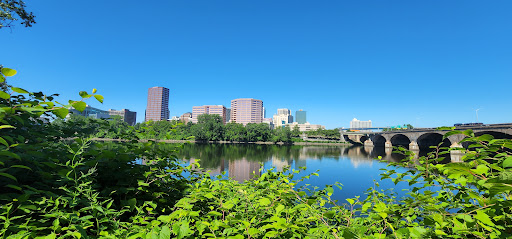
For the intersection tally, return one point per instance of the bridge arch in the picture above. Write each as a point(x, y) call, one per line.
point(400, 140)
point(495, 134)
point(363, 138)
point(432, 139)
point(379, 141)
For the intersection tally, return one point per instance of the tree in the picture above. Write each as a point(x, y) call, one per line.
point(14, 10)
point(258, 132)
point(208, 127)
point(235, 132)
point(296, 131)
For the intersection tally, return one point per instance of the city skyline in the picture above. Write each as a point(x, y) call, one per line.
point(426, 64)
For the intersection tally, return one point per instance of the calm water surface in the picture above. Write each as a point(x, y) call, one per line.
point(355, 167)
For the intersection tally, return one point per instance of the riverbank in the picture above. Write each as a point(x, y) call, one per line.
point(331, 143)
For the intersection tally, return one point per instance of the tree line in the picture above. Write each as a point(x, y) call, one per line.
point(208, 128)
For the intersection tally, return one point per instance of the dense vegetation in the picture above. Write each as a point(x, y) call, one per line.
point(208, 128)
point(81, 189)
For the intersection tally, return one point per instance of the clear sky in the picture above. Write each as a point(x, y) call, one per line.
point(427, 63)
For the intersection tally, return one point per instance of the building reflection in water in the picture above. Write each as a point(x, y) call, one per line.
point(242, 170)
point(242, 162)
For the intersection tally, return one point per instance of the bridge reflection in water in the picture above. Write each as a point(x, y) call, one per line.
point(243, 161)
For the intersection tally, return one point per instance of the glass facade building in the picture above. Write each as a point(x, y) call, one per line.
point(158, 104)
point(300, 117)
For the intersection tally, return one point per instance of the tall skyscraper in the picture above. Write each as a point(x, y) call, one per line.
point(158, 104)
point(300, 117)
point(209, 110)
point(245, 110)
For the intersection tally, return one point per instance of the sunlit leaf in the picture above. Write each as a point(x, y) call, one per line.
point(19, 90)
point(79, 105)
point(4, 95)
point(9, 71)
point(61, 112)
point(99, 98)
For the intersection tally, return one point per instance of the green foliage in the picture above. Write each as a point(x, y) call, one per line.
point(258, 132)
point(208, 127)
point(235, 132)
point(51, 187)
point(56, 187)
point(333, 134)
point(14, 10)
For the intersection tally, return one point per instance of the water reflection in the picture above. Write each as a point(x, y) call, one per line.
point(355, 167)
point(242, 162)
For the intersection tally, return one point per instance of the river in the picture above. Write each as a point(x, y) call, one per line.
point(355, 167)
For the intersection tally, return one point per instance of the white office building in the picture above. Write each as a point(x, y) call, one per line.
point(358, 124)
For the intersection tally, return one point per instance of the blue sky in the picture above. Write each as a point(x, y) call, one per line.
point(427, 63)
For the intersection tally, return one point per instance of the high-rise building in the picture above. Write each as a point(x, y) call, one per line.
point(245, 110)
point(358, 124)
point(128, 116)
point(228, 115)
point(282, 118)
point(219, 110)
point(185, 118)
point(300, 117)
point(158, 104)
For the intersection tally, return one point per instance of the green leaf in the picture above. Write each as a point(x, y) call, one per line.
point(329, 191)
point(21, 166)
point(79, 105)
point(7, 127)
point(214, 213)
point(264, 202)
point(19, 90)
point(4, 95)
point(83, 94)
point(2, 78)
point(484, 218)
point(14, 187)
point(10, 154)
point(9, 176)
point(94, 91)
point(279, 208)
point(99, 98)
point(507, 163)
point(61, 112)
point(445, 128)
point(451, 133)
point(9, 71)
point(2, 140)
point(165, 233)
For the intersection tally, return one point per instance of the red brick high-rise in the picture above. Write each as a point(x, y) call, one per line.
point(158, 104)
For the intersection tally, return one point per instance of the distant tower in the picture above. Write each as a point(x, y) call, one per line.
point(158, 104)
point(300, 117)
point(244, 111)
point(282, 118)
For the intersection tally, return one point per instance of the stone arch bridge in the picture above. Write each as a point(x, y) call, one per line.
point(416, 139)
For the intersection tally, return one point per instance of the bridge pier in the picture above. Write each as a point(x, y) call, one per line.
point(388, 144)
point(413, 146)
point(368, 143)
point(456, 155)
